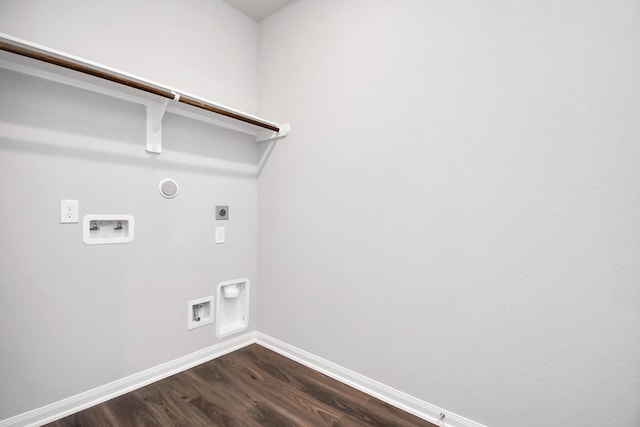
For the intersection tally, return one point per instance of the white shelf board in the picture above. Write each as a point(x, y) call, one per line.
point(44, 70)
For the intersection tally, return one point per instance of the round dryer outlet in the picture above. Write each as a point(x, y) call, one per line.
point(168, 188)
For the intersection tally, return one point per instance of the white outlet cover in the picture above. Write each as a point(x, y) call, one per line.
point(69, 211)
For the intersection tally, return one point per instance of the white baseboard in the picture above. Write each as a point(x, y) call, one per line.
point(62, 408)
point(374, 388)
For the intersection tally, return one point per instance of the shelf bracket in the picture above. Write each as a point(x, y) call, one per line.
point(155, 113)
point(268, 136)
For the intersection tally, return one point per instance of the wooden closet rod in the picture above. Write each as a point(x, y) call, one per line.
point(96, 72)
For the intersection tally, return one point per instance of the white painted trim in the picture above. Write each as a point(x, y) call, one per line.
point(394, 397)
point(62, 408)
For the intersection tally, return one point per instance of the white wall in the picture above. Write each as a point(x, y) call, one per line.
point(456, 212)
point(72, 316)
point(204, 47)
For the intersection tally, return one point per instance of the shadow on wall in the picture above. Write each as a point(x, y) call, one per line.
point(52, 119)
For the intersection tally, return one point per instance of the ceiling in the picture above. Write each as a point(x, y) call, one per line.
point(258, 9)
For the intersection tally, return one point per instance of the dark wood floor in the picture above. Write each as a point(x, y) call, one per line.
point(249, 387)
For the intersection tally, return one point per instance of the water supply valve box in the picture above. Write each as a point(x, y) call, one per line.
point(107, 229)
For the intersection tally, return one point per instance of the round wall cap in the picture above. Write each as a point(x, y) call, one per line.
point(168, 188)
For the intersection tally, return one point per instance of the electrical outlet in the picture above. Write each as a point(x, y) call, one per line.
point(222, 213)
point(68, 211)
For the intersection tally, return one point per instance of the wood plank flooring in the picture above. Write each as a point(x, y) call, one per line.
point(249, 387)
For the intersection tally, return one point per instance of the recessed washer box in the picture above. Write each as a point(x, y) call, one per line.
point(107, 229)
point(200, 312)
point(232, 307)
